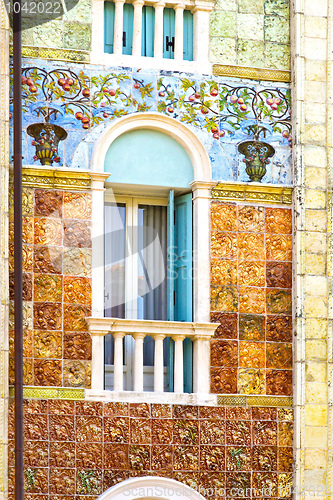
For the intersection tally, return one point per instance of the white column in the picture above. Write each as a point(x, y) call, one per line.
point(97, 243)
point(179, 31)
point(118, 376)
point(178, 377)
point(97, 360)
point(201, 249)
point(97, 26)
point(201, 365)
point(118, 27)
point(158, 363)
point(201, 34)
point(158, 37)
point(137, 27)
point(138, 361)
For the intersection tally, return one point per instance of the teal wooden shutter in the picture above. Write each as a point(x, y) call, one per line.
point(188, 36)
point(170, 285)
point(128, 28)
point(108, 27)
point(168, 32)
point(183, 280)
point(148, 29)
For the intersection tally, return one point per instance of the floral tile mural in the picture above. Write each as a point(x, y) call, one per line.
point(222, 112)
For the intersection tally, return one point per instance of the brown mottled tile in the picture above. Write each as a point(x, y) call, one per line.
point(237, 483)
point(237, 413)
point(36, 453)
point(139, 410)
point(279, 274)
point(47, 231)
point(191, 479)
point(286, 414)
point(47, 316)
point(116, 429)
point(162, 431)
point(265, 482)
point(279, 328)
point(34, 406)
point(223, 272)
point(77, 205)
point(113, 477)
point(212, 431)
point(278, 247)
point(48, 203)
point(89, 482)
point(264, 458)
point(139, 457)
point(186, 432)
point(185, 411)
point(47, 344)
point(286, 433)
point(251, 219)
point(77, 346)
point(238, 458)
point(223, 298)
point(278, 220)
point(251, 354)
point(216, 412)
point(223, 353)
point(161, 411)
point(47, 372)
point(215, 480)
point(278, 301)
point(75, 318)
point(36, 480)
point(251, 246)
point(89, 408)
point(263, 413)
point(212, 458)
point(61, 407)
point(89, 455)
point(285, 459)
point(47, 260)
point(140, 430)
point(27, 286)
point(186, 458)
point(61, 428)
point(251, 381)
point(35, 427)
point(251, 327)
point(89, 429)
point(279, 382)
point(77, 290)
point(62, 481)
point(223, 380)
point(76, 373)
point(278, 355)
point(116, 456)
point(77, 234)
point(27, 230)
point(162, 457)
point(116, 409)
point(251, 273)
point(62, 454)
point(264, 433)
point(223, 216)
point(251, 300)
point(227, 325)
point(223, 245)
point(47, 288)
point(238, 432)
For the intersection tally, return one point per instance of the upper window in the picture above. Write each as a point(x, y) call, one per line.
point(148, 31)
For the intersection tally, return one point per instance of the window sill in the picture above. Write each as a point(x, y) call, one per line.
point(151, 397)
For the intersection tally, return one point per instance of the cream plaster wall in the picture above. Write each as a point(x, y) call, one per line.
point(4, 168)
point(312, 114)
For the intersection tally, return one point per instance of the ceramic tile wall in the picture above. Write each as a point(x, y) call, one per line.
point(251, 33)
point(251, 280)
point(79, 449)
point(56, 287)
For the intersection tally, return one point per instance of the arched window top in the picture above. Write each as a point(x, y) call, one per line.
point(150, 487)
point(148, 157)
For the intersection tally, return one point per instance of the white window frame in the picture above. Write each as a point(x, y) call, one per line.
point(201, 25)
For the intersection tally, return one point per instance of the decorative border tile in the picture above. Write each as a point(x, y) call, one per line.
point(263, 401)
point(253, 192)
point(50, 393)
point(54, 54)
point(251, 73)
point(60, 179)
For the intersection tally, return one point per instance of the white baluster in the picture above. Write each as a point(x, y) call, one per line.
point(158, 363)
point(178, 382)
point(118, 376)
point(179, 31)
point(118, 27)
point(137, 27)
point(201, 364)
point(97, 360)
point(158, 37)
point(138, 361)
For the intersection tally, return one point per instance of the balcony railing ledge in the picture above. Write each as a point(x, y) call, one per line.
point(198, 399)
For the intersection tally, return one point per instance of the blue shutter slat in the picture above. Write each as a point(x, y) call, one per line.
point(188, 36)
point(183, 277)
point(168, 31)
point(108, 27)
point(148, 30)
point(170, 286)
point(128, 28)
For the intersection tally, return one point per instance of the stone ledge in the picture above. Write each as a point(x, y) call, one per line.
point(262, 74)
point(263, 193)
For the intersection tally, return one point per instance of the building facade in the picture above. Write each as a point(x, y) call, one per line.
point(176, 251)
